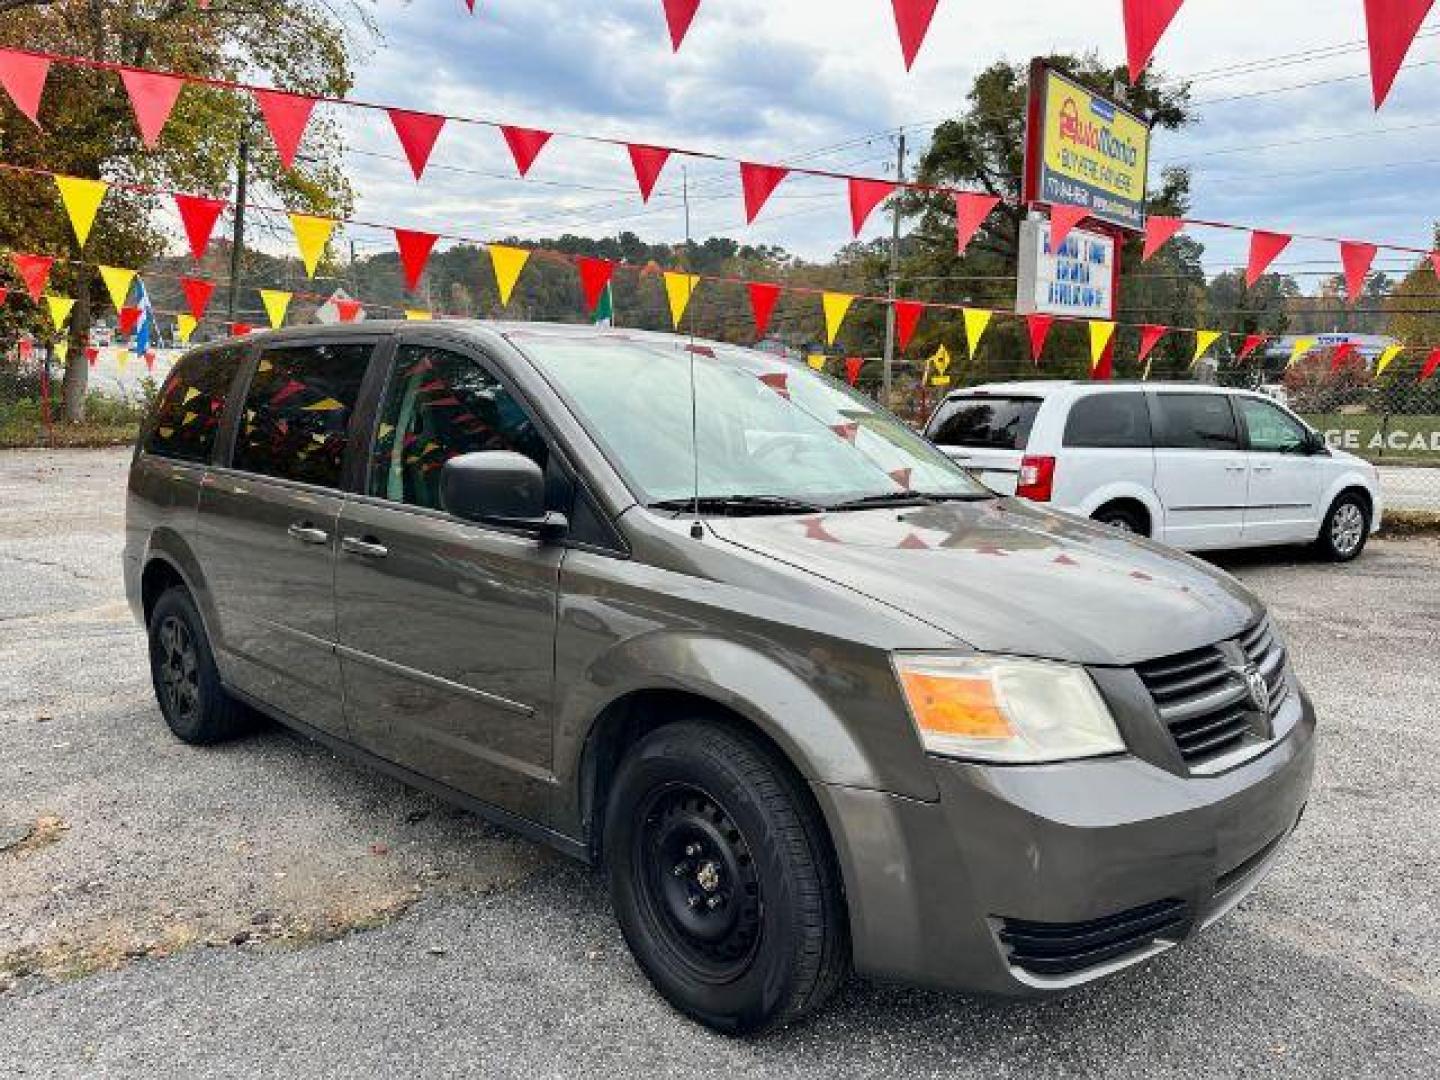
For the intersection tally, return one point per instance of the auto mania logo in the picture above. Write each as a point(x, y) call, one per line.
point(1090, 135)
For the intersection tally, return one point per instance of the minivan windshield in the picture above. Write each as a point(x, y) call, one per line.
point(772, 437)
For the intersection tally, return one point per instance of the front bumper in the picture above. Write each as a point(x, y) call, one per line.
point(936, 890)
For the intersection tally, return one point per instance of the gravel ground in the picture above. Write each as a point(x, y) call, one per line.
point(266, 909)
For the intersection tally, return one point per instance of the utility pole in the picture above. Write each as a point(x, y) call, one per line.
point(237, 240)
point(894, 275)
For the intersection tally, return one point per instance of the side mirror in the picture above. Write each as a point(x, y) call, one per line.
point(499, 487)
point(1316, 444)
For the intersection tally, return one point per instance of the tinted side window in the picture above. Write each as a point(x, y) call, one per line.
point(994, 423)
point(297, 414)
point(1196, 422)
point(187, 414)
point(1109, 420)
point(438, 405)
point(1270, 430)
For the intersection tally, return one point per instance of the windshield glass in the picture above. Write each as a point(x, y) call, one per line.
point(765, 429)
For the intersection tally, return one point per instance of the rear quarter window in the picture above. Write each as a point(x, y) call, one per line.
point(985, 422)
point(188, 411)
point(1109, 421)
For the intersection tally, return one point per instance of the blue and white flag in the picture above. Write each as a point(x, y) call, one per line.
point(146, 329)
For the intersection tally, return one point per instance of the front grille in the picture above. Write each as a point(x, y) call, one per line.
point(1065, 948)
point(1203, 698)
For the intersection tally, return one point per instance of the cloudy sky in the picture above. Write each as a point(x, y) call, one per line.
point(1287, 137)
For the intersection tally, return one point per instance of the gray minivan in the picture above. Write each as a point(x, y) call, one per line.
point(816, 699)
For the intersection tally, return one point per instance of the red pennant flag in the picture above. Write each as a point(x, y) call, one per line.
point(1358, 258)
point(34, 270)
point(23, 77)
point(1063, 219)
point(595, 274)
point(197, 295)
point(1392, 26)
point(129, 320)
point(1343, 352)
point(1159, 231)
point(152, 96)
point(348, 310)
point(971, 210)
point(417, 133)
point(414, 253)
point(286, 116)
point(1253, 342)
point(759, 182)
point(865, 195)
point(1145, 24)
point(679, 14)
point(907, 318)
point(525, 145)
point(1431, 365)
point(1104, 371)
point(92, 354)
point(649, 161)
point(1039, 333)
point(1265, 248)
point(1435, 262)
point(762, 302)
point(912, 20)
point(4, 294)
point(853, 366)
point(1150, 336)
point(240, 329)
point(198, 215)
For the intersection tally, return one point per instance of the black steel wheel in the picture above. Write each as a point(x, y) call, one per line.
point(187, 684)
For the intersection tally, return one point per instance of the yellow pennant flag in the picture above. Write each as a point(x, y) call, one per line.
point(117, 282)
point(1204, 339)
point(276, 302)
point(816, 361)
point(679, 288)
point(508, 262)
point(1387, 358)
point(82, 199)
point(62, 351)
point(1101, 333)
point(311, 236)
point(837, 306)
point(976, 323)
point(185, 324)
point(122, 360)
point(417, 315)
point(59, 309)
point(1302, 346)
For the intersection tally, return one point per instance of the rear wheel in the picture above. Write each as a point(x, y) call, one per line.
point(187, 684)
point(1346, 529)
point(722, 879)
point(1123, 518)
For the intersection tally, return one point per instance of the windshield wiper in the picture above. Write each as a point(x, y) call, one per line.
point(739, 505)
point(907, 498)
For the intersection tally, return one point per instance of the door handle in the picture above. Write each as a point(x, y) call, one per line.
point(307, 533)
point(1265, 468)
point(1234, 468)
point(365, 547)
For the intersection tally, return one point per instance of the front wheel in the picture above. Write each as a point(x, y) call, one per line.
point(1346, 529)
point(722, 879)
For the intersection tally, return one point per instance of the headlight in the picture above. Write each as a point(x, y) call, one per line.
point(1006, 709)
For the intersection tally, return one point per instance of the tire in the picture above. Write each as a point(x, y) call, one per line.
point(1346, 529)
point(1121, 518)
point(187, 684)
point(723, 881)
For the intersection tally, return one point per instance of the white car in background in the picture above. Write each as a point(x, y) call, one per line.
point(1197, 467)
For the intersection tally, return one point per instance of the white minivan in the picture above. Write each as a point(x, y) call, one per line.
point(1197, 467)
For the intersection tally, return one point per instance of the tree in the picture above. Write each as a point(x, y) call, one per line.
point(89, 130)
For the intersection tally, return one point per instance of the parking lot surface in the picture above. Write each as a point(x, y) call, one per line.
point(265, 909)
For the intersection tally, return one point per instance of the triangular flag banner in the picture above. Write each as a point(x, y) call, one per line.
point(185, 325)
point(1265, 248)
point(1302, 346)
point(92, 355)
point(1101, 334)
point(1357, 258)
point(129, 320)
point(1343, 352)
point(679, 14)
point(34, 270)
point(977, 321)
point(198, 215)
point(1039, 327)
point(1159, 231)
point(417, 315)
point(348, 310)
point(240, 329)
point(679, 288)
point(117, 283)
point(61, 349)
point(853, 366)
point(525, 145)
point(23, 77)
point(417, 133)
point(971, 210)
point(82, 199)
point(907, 319)
point(912, 20)
point(1145, 24)
point(759, 182)
point(1431, 364)
point(311, 236)
point(816, 361)
point(865, 195)
point(122, 360)
point(649, 162)
point(1252, 342)
point(1204, 340)
point(763, 297)
point(197, 295)
point(1435, 262)
point(415, 248)
point(1063, 219)
point(276, 302)
point(1392, 26)
point(508, 262)
point(1387, 358)
point(152, 96)
point(59, 309)
point(1150, 336)
point(595, 275)
point(286, 116)
point(837, 306)
point(4, 294)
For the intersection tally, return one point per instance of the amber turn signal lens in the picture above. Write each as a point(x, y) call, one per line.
point(951, 706)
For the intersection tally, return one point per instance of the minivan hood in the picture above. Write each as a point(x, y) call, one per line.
point(1007, 577)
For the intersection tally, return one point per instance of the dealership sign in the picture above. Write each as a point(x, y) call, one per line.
point(1084, 150)
point(1078, 281)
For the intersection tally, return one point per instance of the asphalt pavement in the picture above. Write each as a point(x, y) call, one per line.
point(265, 909)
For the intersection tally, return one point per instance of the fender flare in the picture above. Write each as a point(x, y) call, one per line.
point(1350, 478)
point(1134, 493)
